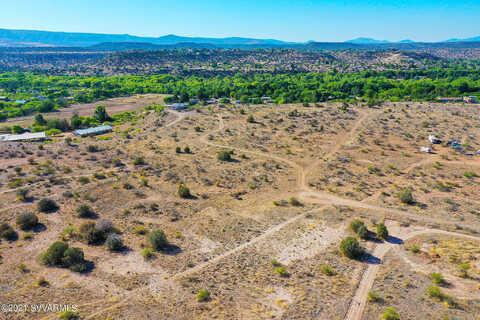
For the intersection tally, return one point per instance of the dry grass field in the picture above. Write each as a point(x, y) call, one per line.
point(273, 189)
point(114, 105)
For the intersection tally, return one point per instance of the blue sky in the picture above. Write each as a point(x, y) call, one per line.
point(327, 20)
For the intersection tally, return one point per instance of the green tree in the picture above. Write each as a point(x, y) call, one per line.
point(100, 114)
point(406, 196)
point(157, 239)
point(184, 191)
point(17, 129)
point(382, 231)
point(351, 248)
point(54, 254)
point(27, 220)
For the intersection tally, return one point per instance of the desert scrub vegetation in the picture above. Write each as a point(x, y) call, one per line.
point(350, 247)
point(157, 239)
point(7, 232)
point(114, 242)
point(406, 196)
point(89, 233)
point(92, 148)
point(147, 253)
point(203, 295)
point(22, 194)
point(27, 220)
point(470, 174)
point(184, 191)
point(68, 315)
point(327, 270)
point(59, 254)
point(139, 161)
point(437, 294)
point(282, 272)
point(294, 202)
point(463, 270)
point(438, 279)
point(47, 205)
point(140, 230)
point(382, 231)
point(83, 180)
point(359, 228)
point(224, 155)
point(373, 296)
point(391, 314)
point(85, 211)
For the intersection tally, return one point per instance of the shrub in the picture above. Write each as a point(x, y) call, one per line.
point(85, 211)
point(7, 232)
point(22, 194)
point(250, 119)
point(355, 225)
point(157, 239)
point(60, 255)
point(183, 191)
point(469, 174)
point(47, 205)
point(414, 249)
point(281, 271)
point(68, 315)
point(27, 220)
point(405, 196)
point(90, 234)
point(437, 278)
point(83, 180)
point(275, 263)
point(27, 236)
point(435, 292)
point(203, 295)
point(139, 161)
point(127, 186)
point(147, 253)
point(464, 267)
point(140, 230)
point(186, 149)
point(359, 228)
point(373, 296)
point(74, 259)
point(178, 150)
point(114, 242)
point(294, 202)
point(104, 225)
point(54, 254)
point(92, 148)
point(224, 156)
point(391, 314)
point(351, 248)
point(382, 231)
point(362, 232)
point(327, 270)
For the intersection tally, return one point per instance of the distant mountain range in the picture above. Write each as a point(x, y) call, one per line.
point(31, 38)
point(115, 42)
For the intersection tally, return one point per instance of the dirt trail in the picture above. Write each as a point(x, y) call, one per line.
point(245, 245)
point(359, 300)
point(435, 159)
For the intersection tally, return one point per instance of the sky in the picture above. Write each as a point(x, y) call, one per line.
point(299, 21)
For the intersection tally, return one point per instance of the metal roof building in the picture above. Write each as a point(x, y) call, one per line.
point(22, 137)
point(93, 131)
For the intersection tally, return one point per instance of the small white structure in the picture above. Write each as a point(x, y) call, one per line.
point(93, 131)
point(426, 149)
point(22, 137)
point(434, 139)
